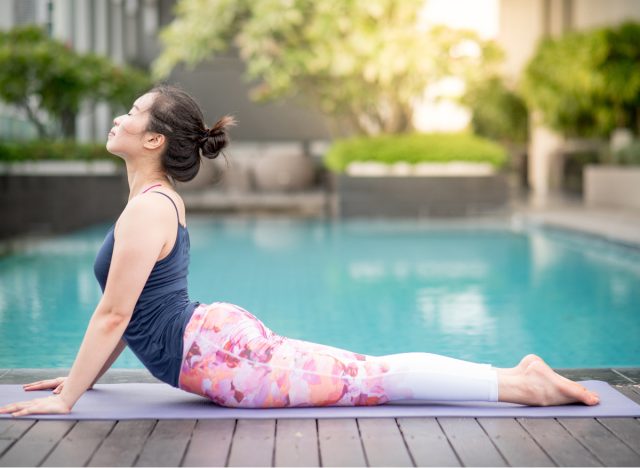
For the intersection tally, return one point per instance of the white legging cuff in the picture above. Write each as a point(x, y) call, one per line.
point(426, 376)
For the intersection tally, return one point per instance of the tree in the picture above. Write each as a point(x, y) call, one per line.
point(587, 83)
point(39, 74)
point(363, 60)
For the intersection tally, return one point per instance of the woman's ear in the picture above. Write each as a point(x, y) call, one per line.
point(153, 141)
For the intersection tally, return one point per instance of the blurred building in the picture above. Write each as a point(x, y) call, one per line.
point(522, 24)
point(127, 32)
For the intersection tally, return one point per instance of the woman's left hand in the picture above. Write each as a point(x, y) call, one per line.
point(48, 405)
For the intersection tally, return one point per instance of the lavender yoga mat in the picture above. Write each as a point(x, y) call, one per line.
point(160, 401)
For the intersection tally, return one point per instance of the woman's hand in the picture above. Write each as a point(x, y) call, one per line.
point(56, 384)
point(48, 405)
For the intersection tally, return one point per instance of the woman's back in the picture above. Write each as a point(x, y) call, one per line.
point(155, 332)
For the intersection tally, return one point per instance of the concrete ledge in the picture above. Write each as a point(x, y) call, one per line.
point(20, 376)
point(616, 186)
point(305, 203)
point(401, 169)
point(58, 168)
point(420, 196)
point(57, 203)
point(615, 225)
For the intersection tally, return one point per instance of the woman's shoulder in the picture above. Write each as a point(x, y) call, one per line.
point(141, 210)
point(160, 202)
point(152, 208)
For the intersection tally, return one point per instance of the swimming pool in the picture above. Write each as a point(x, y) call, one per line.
point(488, 291)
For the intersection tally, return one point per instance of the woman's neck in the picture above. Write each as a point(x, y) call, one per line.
point(140, 184)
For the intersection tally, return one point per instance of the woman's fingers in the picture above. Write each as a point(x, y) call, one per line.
point(43, 384)
point(51, 405)
point(13, 407)
point(35, 386)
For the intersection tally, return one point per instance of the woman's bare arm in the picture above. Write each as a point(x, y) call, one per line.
point(114, 355)
point(139, 238)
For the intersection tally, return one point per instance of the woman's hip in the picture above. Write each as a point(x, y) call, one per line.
point(231, 357)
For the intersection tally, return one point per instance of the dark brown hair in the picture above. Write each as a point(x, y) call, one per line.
point(177, 116)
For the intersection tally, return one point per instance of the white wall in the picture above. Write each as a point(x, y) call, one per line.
point(521, 26)
point(593, 13)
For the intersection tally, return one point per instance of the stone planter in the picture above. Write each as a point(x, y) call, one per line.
point(431, 194)
point(282, 170)
point(614, 186)
point(44, 197)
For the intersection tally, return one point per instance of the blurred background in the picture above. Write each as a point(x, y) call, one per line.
point(498, 102)
point(464, 172)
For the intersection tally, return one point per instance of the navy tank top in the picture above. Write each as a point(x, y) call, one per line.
point(155, 332)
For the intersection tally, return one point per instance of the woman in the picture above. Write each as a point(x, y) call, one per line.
point(220, 350)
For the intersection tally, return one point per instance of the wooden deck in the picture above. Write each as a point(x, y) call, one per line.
point(327, 442)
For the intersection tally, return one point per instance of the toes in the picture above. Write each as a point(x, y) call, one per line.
point(592, 398)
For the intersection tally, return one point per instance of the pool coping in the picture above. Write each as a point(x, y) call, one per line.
point(617, 225)
point(613, 376)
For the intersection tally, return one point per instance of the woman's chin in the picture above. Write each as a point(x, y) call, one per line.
point(113, 150)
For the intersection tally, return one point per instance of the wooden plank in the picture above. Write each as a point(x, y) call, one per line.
point(123, 445)
point(630, 392)
point(559, 444)
point(76, 448)
point(296, 443)
point(253, 443)
point(427, 443)
point(210, 443)
point(610, 450)
point(632, 373)
point(166, 443)
point(626, 429)
point(607, 375)
point(340, 443)
point(11, 430)
point(383, 442)
point(470, 442)
point(4, 445)
point(515, 444)
point(14, 428)
point(34, 446)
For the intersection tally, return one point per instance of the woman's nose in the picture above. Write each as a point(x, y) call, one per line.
point(116, 121)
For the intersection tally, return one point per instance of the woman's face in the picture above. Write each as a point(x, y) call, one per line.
point(128, 134)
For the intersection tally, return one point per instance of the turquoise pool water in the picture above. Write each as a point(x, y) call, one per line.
point(488, 292)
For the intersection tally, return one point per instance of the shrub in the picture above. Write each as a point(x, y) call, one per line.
point(39, 150)
point(588, 82)
point(629, 155)
point(414, 148)
point(497, 112)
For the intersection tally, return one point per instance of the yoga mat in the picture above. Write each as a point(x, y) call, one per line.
point(160, 401)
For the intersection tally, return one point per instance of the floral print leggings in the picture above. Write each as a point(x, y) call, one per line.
point(232, 358)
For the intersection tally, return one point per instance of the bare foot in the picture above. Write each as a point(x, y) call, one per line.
point(539, 385)
point(522, 365)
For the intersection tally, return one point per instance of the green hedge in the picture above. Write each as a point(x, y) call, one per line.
point(41, 150)
point(415, 148)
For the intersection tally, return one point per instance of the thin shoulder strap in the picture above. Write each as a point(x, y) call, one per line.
point(174, 205)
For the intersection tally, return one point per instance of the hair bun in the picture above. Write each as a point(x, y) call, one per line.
point(216, 138)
